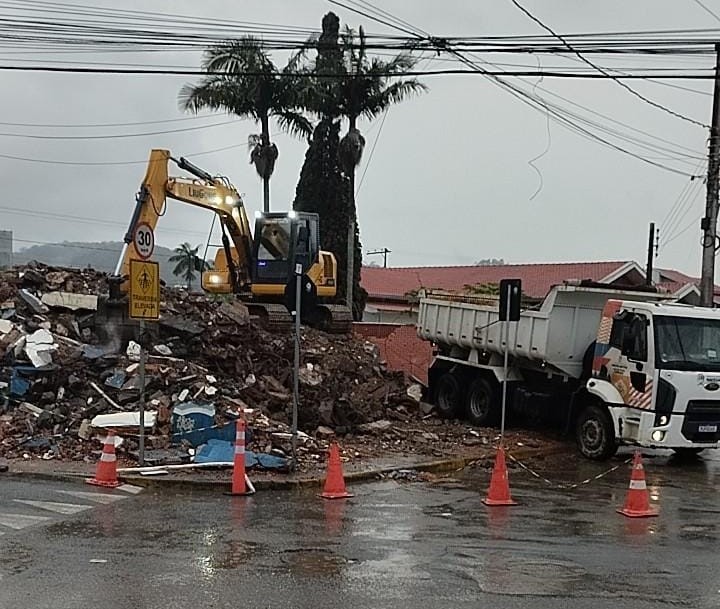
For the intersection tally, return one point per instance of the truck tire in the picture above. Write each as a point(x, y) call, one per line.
point(595, 434)
point(448, 395)
point(481, 404)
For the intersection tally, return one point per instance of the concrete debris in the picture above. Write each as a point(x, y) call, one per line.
point(39, 347)
point(67, 300)
point(162, 350)
point(78, 373)
point(35, 303)
point(124, 419)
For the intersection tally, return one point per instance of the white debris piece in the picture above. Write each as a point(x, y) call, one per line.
point(162, 350)
point(133, 351)
point(39, 347)
point(68, 300)
point(124, 419)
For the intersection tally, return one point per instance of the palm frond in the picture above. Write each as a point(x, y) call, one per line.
point(294, 123)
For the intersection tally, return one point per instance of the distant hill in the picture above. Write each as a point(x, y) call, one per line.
point(101, 256)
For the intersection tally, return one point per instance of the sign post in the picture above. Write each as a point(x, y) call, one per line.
point(510, 296)
point(296, 366)
point(144, 304)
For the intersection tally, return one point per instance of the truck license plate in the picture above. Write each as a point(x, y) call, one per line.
point(707, 428)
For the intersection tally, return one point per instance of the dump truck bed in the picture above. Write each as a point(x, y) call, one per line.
point(554, 337)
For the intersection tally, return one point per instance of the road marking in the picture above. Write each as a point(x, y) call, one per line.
point(103, 498)
point(130, 488)
point(20, 521)
point(54, 506)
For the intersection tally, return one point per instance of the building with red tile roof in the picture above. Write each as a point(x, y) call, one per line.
point(391, 310)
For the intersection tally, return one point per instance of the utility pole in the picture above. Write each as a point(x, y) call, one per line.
point(350, 267)
point(650, 255)
point(384, 252)
point(709, 223)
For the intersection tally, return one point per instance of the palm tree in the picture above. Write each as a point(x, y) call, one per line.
point(242, 80)
point(369, 88)
point(188, 263)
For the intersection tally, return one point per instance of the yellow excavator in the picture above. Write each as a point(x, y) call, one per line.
point(255, 268)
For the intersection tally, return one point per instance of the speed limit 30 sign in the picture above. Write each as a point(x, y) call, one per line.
point(144, 240)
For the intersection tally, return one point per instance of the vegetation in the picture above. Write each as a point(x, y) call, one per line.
point(365, 88)
point(243, 81)
point(188, 263)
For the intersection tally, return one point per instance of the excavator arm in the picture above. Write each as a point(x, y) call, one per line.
point(205, 191)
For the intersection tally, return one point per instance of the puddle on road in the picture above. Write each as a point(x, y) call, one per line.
point(314, 561)
point(510, 576)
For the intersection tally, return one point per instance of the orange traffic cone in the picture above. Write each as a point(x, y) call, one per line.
point(335, 481)
point(241, 484)
point(106, 473)
point(637, 501)
point(499, 492)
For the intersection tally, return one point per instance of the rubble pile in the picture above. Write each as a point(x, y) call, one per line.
point(64, 374)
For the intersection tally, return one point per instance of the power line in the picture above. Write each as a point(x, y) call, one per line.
point(114, 135)
point(110, 163)
point(544, 107)
point(517, 73)
point(707, 10)
point(604, 72)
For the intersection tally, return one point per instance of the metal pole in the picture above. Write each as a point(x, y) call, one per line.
point(651, 248)
point(141, 446)
point(505, 366)
point(709, 223)
point(350, 265)
point(296, 370)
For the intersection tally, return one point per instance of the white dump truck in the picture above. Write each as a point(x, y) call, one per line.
point(614, 366)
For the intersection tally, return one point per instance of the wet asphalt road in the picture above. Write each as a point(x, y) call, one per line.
point(393, 545)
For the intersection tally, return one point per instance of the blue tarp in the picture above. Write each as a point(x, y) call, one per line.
point(220, 451)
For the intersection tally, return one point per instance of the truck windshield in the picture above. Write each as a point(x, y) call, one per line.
point(687, 343)
point(274, 240)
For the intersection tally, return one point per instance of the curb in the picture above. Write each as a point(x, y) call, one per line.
point(436, 466)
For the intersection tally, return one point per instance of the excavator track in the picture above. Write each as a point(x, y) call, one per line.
point(338, 319)
point(334, 319)
point(274, 317)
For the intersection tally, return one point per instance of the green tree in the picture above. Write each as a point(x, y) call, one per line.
point(188, 263)
point(243, 81)
point(369, 88)
point(323, 188)
point(346, 84)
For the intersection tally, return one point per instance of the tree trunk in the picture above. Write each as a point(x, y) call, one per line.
point(265, 135)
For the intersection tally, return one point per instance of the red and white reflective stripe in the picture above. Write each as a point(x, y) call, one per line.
point(637, 485)
point(107, 457)
point(240, 449)
point(240, 437)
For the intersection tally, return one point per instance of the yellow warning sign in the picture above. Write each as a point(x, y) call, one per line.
point(144, 290)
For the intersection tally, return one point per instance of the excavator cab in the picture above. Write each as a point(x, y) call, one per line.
point(283, 240)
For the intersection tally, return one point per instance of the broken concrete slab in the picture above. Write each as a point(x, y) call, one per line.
point(124, 419)
point(375, 426)
point(39, 347)
point(236, 311)
point(182, 325)
point(33, 301)
point(67, 300)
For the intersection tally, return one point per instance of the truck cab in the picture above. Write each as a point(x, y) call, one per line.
point(656, 368)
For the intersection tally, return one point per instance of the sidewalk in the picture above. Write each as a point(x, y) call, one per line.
point(220, 479)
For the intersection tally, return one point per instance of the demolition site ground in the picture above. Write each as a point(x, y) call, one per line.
point(66, 376)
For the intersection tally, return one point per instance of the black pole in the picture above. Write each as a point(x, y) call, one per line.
point(650, 255)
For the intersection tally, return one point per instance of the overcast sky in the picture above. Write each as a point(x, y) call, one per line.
point(449, 181)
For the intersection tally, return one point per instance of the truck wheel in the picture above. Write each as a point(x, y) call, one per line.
point(448, 395)
point(595, 434)
point(481, 403)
